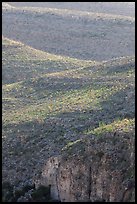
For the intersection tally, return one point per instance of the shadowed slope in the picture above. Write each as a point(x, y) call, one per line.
point(42, 115)
point(77, 34)
point(22, 62)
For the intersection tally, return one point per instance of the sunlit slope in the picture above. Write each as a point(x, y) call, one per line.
point(46, 85)
point(122, 8)
point(7, 6)
point(68, 12)
point(21, 62)
point(58, 101)
point(107, 89)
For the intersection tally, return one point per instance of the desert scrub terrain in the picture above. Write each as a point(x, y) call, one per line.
point(62, 85)
point(73, 33)
point(119, 8)
point(23, 62)
point(43, 114)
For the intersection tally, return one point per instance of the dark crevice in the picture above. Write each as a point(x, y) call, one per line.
point(57, 183)
point(89, 190)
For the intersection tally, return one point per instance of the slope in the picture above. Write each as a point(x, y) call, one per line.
point(44, 114)
point(78, 34)
point(23, 62)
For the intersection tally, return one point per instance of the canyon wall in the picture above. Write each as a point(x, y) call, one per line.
point(93, 169)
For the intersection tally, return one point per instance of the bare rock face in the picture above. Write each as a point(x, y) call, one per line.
point(93, 169)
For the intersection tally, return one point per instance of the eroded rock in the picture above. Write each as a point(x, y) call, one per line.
point(93, 169)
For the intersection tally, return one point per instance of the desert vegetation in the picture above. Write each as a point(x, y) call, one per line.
point(67, 75)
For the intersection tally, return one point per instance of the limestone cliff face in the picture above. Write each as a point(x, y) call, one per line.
point(95, 169)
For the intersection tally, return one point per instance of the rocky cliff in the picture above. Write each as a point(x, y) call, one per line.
point(93, 169)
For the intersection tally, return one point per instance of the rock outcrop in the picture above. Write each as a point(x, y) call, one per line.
point(93, 169)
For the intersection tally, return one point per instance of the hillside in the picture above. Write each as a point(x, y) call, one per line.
point(23, 62)
point(118, 8)
point(73, 33)
point(43, 114)
point(57, 106)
